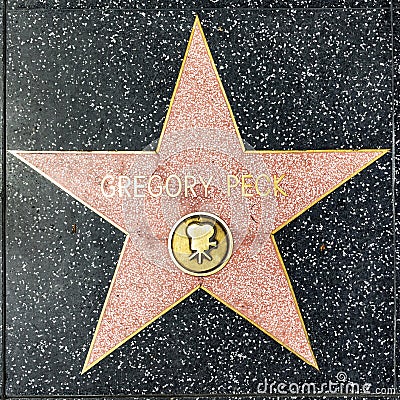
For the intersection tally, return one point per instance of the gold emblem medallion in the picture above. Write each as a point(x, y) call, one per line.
point(200, 244)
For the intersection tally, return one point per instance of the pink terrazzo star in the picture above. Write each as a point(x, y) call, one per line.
point(199, 138)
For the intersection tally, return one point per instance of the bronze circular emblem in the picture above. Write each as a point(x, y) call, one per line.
point(200, 244)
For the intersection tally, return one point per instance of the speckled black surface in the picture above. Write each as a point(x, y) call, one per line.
point(396, 82)
point(93, 79)
point(205, 397)
point(194, 5)
point(292, 82)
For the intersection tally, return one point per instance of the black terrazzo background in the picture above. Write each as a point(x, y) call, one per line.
point(3, 194)
point(155, 5)
point(291, 80)
point(204, 397)
point(396, 82)
point(102, 80)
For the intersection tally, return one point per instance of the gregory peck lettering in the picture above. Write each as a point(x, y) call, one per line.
point(200, 212)
point(174, 186)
